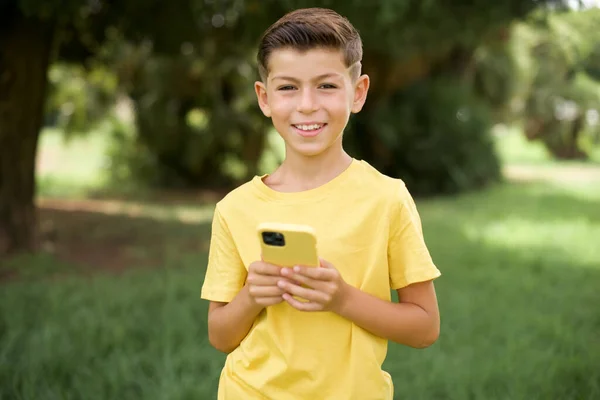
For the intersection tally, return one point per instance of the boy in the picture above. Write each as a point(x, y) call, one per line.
point(330, 345)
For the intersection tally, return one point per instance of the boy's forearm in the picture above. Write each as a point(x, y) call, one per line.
point(229, 325)
point(403, 323)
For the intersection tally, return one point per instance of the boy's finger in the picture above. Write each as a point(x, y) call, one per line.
point(320, 274)
point(300, 305)
point(305, 293)
point(299, 279)
point(264, 268)
point(264, 280)
point(325, 264)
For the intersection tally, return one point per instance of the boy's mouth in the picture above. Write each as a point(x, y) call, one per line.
point(309, 130)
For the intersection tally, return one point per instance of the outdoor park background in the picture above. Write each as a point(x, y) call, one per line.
point(492, 121)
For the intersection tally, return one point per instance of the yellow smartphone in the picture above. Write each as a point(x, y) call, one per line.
point(287, 245)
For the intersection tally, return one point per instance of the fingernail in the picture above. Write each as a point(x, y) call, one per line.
point(280, 284)
point(297, 268)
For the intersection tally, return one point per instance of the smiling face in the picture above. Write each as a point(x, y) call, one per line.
point(309, 96)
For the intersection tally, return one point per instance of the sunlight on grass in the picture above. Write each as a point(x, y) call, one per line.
point(533, 217)
point(568, 237)
point(513, 147)
point(79, 158)
point(70, 168)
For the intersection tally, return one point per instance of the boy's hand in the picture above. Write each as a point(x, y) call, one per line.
point(262, 284)
point(326, 289)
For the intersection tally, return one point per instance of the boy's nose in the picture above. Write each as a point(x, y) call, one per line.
point(308, 102)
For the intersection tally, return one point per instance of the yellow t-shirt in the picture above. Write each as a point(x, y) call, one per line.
point(368, 227)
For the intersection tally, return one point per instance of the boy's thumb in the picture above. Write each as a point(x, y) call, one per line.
point(324, 263)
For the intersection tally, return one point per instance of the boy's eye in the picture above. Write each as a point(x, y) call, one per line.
point(287, 87)
point(328, 86)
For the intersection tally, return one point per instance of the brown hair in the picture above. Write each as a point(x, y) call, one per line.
point(310, 28)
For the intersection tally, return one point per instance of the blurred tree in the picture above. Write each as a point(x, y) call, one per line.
point(35, 33)
point(433, 135)
point(547, 75)
point(411, 47)
point(430, 44)
point(196, 112)
point(563, 89)
point(79, 98)
point(25, 49)
point(194, 108)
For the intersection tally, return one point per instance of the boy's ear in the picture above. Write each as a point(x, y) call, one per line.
point(261, 94)
point(361, 88)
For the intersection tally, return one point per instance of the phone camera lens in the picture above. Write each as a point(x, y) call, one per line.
point(273, 238)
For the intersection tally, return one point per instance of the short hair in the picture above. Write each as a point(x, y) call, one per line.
point(311, 28)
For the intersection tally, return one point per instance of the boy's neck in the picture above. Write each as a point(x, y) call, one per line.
point(299, 173)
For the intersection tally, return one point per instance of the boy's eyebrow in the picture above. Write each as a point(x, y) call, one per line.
point(317, 78)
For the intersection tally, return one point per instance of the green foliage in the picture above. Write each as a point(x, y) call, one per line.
point(54, 8)
point(167, 91)
point(405, 28)
point(493, 65)
point(204, 65)
point(130, 162)
point(79, 98)
point(194, 116)
point(556, 90)
point(501, 71)
point(435, 135)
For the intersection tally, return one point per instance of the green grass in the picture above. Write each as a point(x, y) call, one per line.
point(519, 301)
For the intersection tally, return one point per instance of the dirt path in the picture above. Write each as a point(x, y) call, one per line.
point(554, 173)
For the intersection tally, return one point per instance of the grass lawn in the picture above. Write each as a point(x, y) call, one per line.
point(112, 310)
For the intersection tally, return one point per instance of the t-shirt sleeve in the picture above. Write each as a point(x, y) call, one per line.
point(408, 257)
point(225, 272)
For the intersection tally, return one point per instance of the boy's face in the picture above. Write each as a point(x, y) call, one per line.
point(309, 97)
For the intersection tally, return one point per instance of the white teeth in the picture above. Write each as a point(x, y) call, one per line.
point(309, 127)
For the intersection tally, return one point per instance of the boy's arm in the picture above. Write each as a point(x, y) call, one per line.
point(229, 323)
point(414, 321)
point(231, 311)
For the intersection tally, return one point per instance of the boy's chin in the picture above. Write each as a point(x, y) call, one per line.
point(309, 150)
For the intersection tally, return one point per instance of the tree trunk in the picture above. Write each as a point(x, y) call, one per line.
point(25, 49)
